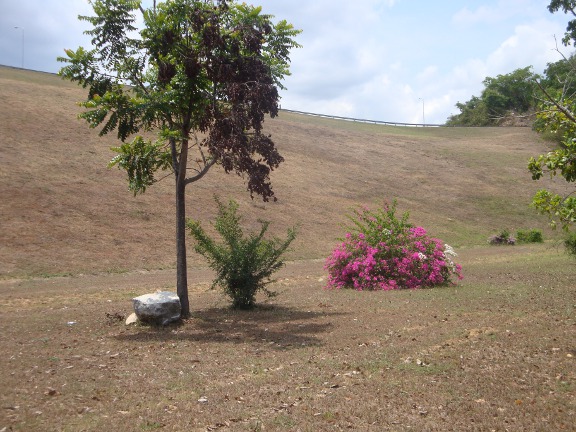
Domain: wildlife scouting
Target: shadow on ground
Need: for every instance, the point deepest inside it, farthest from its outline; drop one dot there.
(277, 327)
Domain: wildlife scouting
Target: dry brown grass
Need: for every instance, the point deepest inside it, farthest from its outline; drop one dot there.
(63, 211)
(495, 352)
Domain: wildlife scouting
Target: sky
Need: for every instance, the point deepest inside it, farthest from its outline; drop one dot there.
(389, 60)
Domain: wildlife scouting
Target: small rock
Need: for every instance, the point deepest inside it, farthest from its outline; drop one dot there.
(51, 392)
(132, 319)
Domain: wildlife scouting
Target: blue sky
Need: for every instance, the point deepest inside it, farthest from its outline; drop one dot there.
(376, 59)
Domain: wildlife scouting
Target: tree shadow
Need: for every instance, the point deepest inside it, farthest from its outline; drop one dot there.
(277, 327)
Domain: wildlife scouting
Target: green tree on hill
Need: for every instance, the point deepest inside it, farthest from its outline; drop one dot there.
(203, 75)
(472, 113)
(559, 76)
(502, 94)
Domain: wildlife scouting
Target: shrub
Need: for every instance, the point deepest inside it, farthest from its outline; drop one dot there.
(381, 251)
(502, 239)
(570, 244)
(529, 236)
(243, 264)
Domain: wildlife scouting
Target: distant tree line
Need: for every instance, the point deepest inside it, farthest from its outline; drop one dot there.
(520, 92)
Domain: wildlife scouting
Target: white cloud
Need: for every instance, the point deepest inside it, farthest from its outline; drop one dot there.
(531, 44)
(496, 12)
(482, 14)
(429, 73)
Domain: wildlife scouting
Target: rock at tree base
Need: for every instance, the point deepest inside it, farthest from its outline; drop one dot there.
(158, 308)
(132, 319)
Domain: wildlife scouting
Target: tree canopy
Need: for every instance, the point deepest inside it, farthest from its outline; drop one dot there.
(504, 93)
(568, 7)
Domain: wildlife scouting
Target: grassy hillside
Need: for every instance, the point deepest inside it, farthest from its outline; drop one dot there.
(494, 352)
(63, 211)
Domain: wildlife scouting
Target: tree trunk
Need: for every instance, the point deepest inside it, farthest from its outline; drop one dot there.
(181, 269)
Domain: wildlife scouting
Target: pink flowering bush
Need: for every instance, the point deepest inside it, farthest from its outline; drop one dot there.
(382, 252)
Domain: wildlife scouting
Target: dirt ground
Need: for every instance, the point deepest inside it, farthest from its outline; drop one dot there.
(496, 352)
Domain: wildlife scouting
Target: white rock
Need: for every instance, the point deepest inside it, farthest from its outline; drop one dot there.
(132, 319)
(159, 308)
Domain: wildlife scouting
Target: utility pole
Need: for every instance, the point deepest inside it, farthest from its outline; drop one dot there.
(423, 118)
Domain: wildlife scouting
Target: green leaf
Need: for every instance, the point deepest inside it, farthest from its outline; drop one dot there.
(141, 159)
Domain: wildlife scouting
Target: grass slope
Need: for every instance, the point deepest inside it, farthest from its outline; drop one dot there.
(63, 211)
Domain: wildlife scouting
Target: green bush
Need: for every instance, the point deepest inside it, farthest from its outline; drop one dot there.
(243, 264)
(529, 236)
(570, 244)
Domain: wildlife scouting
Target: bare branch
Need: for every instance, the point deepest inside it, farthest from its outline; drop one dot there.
(562, 109)
(140, 83)
(166, 176)
(202, 173)
(558, 50)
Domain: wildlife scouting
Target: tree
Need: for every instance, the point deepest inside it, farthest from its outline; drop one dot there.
(501, 94)
(472, 113)
(559, 76)
(567, 6)
(203, 75)
(558, 114)
(512, 91)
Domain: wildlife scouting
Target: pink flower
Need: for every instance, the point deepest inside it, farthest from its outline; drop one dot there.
(389, 259)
